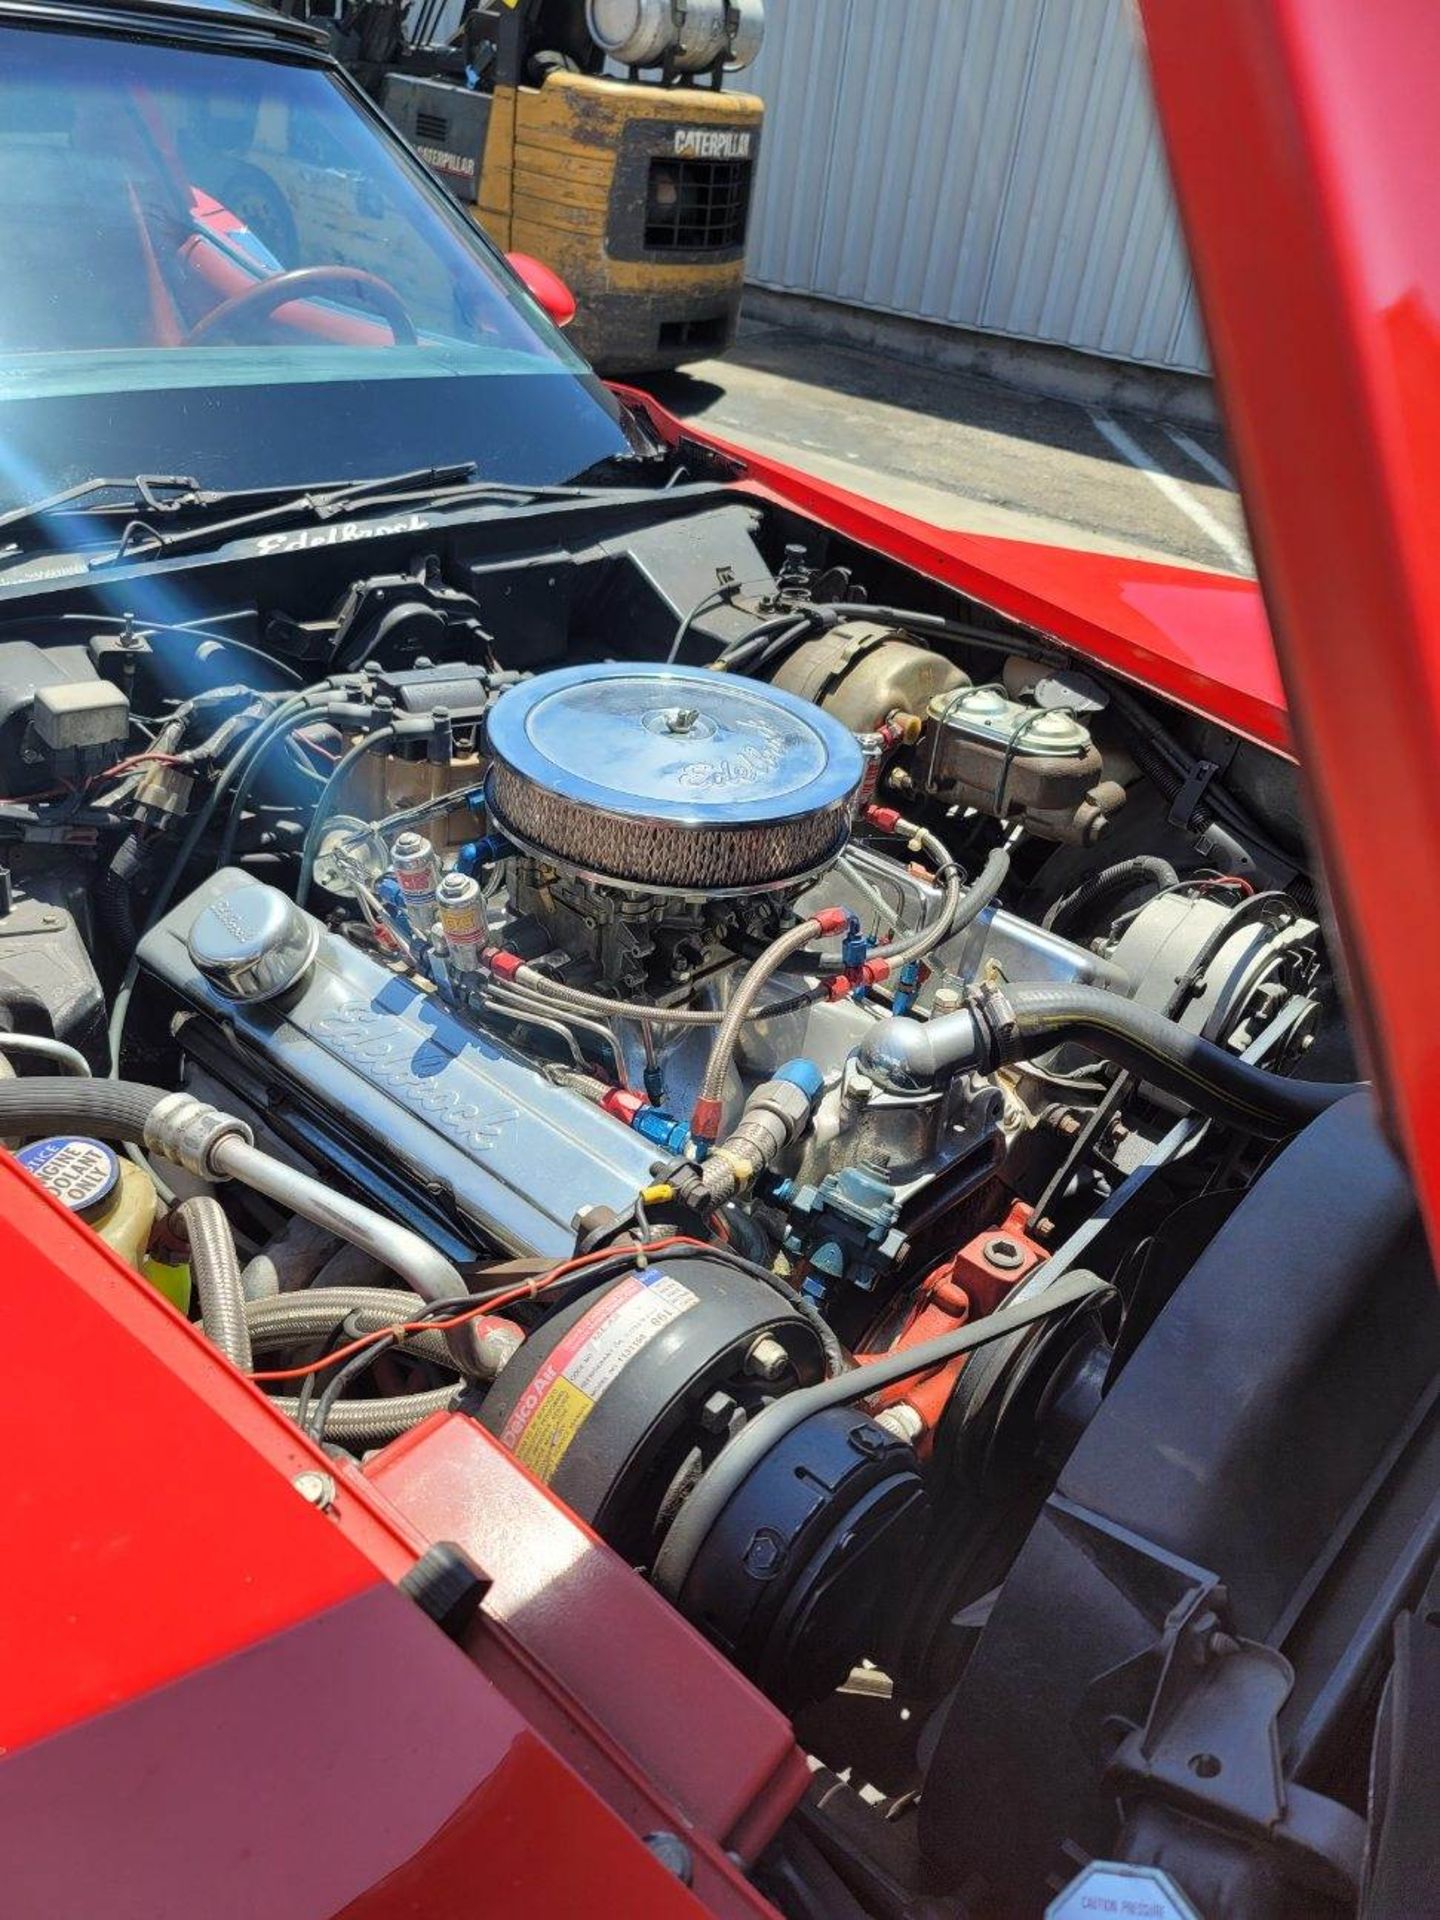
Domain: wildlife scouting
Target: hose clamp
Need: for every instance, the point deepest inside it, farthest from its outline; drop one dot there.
(995, 1024)
(187, 1131)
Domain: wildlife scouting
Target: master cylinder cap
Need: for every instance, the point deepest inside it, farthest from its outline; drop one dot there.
(671, 779)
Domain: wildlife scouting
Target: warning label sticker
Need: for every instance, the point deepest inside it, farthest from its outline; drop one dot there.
(560, 1399)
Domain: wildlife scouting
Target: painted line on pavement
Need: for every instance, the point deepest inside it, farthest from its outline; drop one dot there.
(1175, 491)
(1202, 457)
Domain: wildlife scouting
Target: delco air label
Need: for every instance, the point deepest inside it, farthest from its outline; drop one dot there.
(565, 1392)
(712, 143)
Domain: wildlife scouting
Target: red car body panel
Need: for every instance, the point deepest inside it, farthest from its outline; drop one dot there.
(166, 1471)
(204, 1678)
(355, 1764)
(1315, 243)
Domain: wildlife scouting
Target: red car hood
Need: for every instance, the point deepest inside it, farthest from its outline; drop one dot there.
(1313, 236)
(1199, 638)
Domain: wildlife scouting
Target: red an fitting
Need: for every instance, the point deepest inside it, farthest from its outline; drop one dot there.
(705, 1121)
(622, 1103)
(840, 985)
(832, 919)
(503, 965)
(887, 819)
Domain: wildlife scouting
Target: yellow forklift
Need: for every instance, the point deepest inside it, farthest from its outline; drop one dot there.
(595, 135)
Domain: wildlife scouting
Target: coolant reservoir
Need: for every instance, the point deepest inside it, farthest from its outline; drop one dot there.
(110, 1193)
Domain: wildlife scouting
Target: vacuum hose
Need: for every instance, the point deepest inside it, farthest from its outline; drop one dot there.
(959, 907)
(996, 1029)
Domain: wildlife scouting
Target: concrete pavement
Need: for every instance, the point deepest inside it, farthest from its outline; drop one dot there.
(964, 451)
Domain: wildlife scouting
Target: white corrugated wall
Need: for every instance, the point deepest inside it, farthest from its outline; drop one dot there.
(990, 164)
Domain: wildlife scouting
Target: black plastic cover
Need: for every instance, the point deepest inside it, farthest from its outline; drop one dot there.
(1244, 1438)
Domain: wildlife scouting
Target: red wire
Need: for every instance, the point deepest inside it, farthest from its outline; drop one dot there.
(136, 760)
(526, 1291)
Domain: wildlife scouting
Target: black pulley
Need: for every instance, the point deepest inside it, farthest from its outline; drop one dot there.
(791, 1579)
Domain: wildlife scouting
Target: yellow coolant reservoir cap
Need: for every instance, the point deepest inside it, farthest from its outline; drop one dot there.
(113, 1195)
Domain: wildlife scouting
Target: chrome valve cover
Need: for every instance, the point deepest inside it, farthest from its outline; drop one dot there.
(442, 1101)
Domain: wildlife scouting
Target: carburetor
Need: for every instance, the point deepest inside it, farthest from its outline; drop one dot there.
(660, 816)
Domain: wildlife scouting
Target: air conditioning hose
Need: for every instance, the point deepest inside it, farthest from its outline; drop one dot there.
(216, 1146)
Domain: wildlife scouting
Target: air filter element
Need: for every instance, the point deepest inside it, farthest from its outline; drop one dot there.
(671, 779)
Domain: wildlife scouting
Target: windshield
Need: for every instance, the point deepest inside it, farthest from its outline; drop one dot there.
(220, 265)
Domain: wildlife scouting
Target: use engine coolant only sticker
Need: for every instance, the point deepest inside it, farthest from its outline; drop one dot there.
(563, 1394)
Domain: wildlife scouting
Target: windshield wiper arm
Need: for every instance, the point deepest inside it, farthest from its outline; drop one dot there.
(147, 490)
(181, 494)
(432, 487)
(300, 502)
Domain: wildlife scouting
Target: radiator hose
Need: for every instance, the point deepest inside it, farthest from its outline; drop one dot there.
(996, 1029)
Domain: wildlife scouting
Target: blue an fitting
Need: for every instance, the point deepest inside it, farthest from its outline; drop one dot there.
(853, 946)
(482, 853)
(662, 1129)
(803, 1074)
(906, 987)
(391, 896)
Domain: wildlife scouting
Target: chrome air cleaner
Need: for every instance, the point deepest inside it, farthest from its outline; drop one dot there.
(671, 779)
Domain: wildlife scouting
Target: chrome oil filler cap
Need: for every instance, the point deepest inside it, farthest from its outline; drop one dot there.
(671, 779)
(253, 943)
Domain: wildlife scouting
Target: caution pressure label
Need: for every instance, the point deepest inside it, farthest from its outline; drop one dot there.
(564, 1393)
